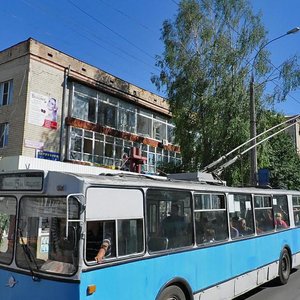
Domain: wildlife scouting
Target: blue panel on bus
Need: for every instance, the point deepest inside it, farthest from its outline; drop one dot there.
(142, 279)
(201, 268)
(16, 286)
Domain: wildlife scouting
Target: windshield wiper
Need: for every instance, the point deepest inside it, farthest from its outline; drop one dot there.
(29, 257)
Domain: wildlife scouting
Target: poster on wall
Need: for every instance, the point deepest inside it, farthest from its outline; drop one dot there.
(43, 111)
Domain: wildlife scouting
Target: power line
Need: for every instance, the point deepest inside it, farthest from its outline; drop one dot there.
(127, 16)
(175, 2)
(88, 31)
(110, 29)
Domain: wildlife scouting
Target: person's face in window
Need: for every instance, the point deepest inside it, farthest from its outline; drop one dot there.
(174, 210)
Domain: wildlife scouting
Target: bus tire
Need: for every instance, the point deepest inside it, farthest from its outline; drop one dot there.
(172, 292)
(284, 269)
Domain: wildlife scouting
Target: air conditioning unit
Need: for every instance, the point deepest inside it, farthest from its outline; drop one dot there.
(165, 142)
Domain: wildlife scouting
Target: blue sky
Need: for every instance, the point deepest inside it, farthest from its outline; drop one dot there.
(122, 37)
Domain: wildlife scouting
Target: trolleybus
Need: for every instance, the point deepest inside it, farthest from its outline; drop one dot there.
(169, 239)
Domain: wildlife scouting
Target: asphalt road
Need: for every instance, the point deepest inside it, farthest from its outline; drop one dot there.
(273, 291)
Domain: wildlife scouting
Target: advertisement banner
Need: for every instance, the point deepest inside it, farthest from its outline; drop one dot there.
(43, 111)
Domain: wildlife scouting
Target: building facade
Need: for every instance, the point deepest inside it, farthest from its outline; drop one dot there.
(53, 106)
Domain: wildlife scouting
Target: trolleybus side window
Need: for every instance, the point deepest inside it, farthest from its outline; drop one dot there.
(296, 209)
(281, 212)
(97, 232)
(241, 215)
(264, 217)
(169, 219)
(119, 220)
(8, 206)
(129, 237)
(210, 218)
(42, 242)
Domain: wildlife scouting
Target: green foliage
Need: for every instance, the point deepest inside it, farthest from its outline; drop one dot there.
(284, 163)
(280, 156)
(205, 71)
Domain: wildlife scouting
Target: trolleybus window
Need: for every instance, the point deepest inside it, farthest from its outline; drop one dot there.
(296, 209)
(210, 218)
(8, 207)
(42, 243)
(129, 238)
(169, 219)
(281, 213)
(264, 217)
(97, 232)
(241, 215)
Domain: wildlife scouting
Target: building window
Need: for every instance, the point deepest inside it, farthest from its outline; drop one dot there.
(4, 127)
(84, 108)
(6, 92)
(107, 115)
(159, 130)
(97, 107)
(144, 126)
(126, 119)
(107, 150)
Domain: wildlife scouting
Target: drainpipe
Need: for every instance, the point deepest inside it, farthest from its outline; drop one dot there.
(63, 133)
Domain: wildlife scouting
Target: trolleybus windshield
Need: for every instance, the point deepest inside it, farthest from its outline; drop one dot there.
(8, 207)
(42, 242)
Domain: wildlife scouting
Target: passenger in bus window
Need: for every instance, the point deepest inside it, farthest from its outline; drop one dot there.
(174, 228)
(243, 229)
(209, 236)
(219, 225)
(279, 223)
(99, 240)
(233, 231)
(258, 229)
(296, 217)
(267, 222)
(104, 249)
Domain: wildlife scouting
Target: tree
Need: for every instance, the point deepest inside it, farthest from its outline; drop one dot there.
(279, 156)
(205, 71)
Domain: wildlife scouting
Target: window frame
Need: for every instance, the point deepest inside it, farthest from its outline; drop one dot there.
(210, 209)
(4, 133)
(161, 215)
(252, 226)
(8, 93)
(10, 235)
(260, 209)
(296, 209)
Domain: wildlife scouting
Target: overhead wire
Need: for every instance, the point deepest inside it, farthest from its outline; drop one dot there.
(110, 29)
(91, 32)
(127, 16)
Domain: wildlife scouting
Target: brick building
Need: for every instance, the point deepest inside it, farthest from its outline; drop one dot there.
(56, 107)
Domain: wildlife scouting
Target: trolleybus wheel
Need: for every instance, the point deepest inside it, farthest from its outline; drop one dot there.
(172, 292)
(284, 267)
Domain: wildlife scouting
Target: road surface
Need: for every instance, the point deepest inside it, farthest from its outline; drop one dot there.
(273, 291)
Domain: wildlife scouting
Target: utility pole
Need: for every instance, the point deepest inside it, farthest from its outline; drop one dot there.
(253, 153)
